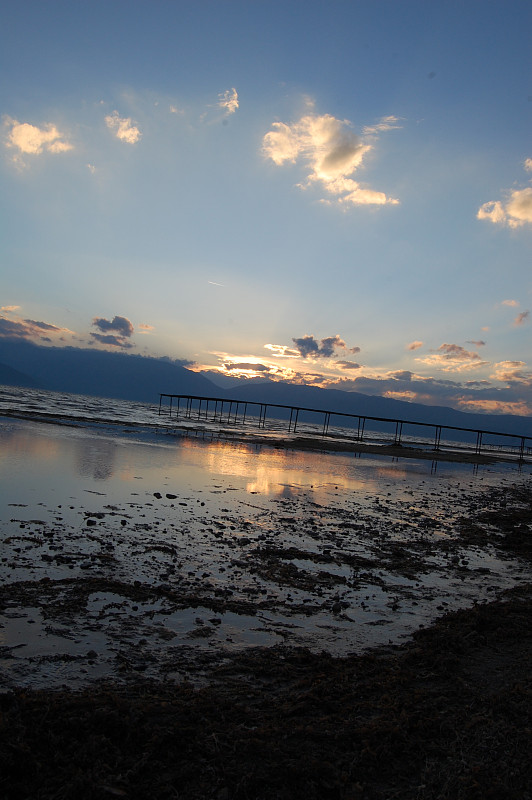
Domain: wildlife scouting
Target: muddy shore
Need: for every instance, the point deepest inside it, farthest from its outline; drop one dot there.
(311, 646)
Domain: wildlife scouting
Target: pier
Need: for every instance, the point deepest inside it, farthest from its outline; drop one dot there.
(255, 414)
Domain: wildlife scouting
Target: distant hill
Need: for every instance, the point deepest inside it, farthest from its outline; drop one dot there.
(134, 377)
(373, 406)
(97, 372)
(12, 377)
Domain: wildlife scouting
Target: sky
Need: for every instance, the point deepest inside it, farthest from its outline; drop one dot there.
(331, 193)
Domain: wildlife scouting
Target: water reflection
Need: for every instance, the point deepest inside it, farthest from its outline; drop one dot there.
(96, 458)
(278, 472)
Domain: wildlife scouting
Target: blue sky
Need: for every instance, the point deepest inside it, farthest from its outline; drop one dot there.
(337, 193)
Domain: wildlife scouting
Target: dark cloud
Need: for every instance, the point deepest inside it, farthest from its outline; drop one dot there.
(480, 343)
(119, 325)
(13, 330)
(309, 346)
(26, 329)
(112, 340)
(348, 364)
(245, 365)
(521, 318)
(458, 352)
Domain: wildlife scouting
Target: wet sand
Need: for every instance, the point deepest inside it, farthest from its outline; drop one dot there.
(226, 617)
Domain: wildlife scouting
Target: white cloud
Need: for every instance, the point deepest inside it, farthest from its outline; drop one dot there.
(332, 151)
(512, 303)
(228, 101)
(123, 128)
(514, 211)
(31, 140)
(389, 123)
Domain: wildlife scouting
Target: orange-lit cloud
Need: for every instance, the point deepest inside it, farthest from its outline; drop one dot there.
(453, 358)
(519, 407)
(29, 329)
(512, 372)
(521, 318)
(414, 345)
(282, 351)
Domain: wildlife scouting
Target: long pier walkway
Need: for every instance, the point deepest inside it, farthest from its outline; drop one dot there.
(239, 412)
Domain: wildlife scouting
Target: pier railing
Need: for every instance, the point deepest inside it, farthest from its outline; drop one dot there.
(241, 412)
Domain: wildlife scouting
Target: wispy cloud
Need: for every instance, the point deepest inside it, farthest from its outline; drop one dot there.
(8, 309)
(27, 139)
(282, 351)
(123, 128)
(389, 123)
(510, 372)
(332, 152)
(30, 329)
(521, 318)
(453, 358)
(511, 303)
(228, 101)
(515, 210)
(414, 345)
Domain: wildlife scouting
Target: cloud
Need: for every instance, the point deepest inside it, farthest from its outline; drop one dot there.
(515, 210)
(245, 366)
(114, 333)
(308, 346)
(28, 329)
(348, 365)
(512, 303)
(8, 309)
(389, 123)
(521, 318)
(123, 128)
(119, 324)
(479, 343)
(282, 351)
(332, 151)
(453, 358)
(228, 101)
(512, 372)
(28, 139)
(147, 329)
(414, 345)
(517, 407)
(113, 341)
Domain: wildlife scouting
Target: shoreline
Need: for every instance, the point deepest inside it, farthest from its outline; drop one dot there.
(292, 441)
